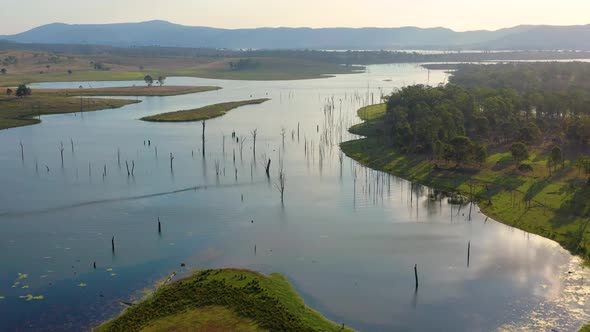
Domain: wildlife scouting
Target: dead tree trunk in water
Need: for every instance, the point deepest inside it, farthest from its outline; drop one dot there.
(468, 252)
(171, 160)
(61, 151)
(127, 165)
(203, 138)
(254, 135)
(416, 275)
(22, 151)
(268, 168)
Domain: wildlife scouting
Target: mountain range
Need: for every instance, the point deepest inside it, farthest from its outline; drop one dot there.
(166, 34)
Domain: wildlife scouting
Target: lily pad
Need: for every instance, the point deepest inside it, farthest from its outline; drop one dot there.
(31, 297)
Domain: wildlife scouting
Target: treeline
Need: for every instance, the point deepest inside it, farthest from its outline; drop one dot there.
(383, 57)
(337, 57)
(516, 106)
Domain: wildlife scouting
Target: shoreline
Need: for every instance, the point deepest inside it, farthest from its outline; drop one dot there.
(504, 205)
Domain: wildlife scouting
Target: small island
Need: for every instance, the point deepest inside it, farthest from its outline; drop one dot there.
(223, 300)
(202, 113)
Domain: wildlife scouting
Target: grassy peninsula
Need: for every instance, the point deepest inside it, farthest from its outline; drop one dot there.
(223, 300)
(202, 113)
(21, 111)
(528, 169)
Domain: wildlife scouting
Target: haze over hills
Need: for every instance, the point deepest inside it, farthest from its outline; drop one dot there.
(166, 34)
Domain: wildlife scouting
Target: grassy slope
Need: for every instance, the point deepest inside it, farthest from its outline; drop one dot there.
(213, 318)
(255, 301)
(496, 182)
(32, 67)
(203, 113)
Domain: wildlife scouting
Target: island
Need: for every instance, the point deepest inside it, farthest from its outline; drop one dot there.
(202, 113)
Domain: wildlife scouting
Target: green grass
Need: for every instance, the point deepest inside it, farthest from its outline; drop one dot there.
(555, 206)
(213, 318)
(373, 119)
(372, 112)
(202, 113)
(17, 112)
(254, 301)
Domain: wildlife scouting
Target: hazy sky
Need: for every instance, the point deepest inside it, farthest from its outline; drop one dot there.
(456, 14)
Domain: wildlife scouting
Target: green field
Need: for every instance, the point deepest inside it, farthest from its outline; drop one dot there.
(202, 113)
(35, 67)
(533, 201)
(223, 300)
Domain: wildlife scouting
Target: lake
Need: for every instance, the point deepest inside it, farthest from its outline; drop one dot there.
(346, 237)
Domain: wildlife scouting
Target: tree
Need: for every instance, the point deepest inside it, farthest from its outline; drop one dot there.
(480, 154)
(23, 91)
(69, 71)
(161, 80)
(9, 91)
(519, 152)
(149, 80)
(462, 147)
(3, 71)
(556, 156)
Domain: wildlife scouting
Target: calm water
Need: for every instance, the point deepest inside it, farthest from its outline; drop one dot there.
(346, 237)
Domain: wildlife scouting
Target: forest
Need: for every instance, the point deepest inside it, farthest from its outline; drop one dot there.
(543, 105)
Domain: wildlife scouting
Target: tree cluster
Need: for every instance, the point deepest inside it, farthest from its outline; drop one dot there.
(243, 64)
(517, 106)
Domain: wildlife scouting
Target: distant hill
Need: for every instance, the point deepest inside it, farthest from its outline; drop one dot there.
(166, 34)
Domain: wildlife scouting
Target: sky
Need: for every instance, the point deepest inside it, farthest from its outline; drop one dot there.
(459, 15)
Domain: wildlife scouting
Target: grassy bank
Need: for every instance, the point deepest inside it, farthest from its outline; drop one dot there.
(17, 112)
(134, 91)
(202, 113)
(223, 300)
(536, 201)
